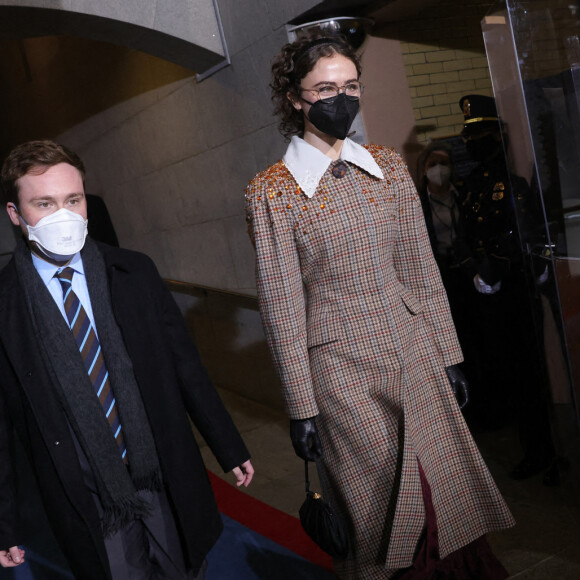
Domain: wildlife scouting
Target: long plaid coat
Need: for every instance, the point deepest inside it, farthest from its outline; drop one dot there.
(360, 332)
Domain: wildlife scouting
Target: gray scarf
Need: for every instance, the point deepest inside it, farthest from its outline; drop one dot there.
(117, 486)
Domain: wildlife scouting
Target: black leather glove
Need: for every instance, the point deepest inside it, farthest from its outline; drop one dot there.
(459, 385)
(305, 439)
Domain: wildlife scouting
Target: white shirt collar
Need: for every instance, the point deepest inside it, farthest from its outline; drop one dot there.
(307, 164)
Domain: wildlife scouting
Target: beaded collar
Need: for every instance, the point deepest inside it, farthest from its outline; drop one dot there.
(307, 164)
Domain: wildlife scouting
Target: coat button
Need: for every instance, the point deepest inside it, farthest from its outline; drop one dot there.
(56, 443)
(29, 374)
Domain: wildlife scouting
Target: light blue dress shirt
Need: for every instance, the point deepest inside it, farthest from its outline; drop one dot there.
(79, 283)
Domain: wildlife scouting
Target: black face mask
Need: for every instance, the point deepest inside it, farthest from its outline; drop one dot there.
(483, 149)
(334, 116)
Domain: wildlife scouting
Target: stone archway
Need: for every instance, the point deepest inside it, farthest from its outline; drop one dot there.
(180, 31)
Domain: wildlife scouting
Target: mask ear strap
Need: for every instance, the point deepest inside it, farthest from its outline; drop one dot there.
(303, 99)
(19, 214)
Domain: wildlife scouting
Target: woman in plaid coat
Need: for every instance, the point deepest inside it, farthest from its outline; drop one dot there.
(359, 328)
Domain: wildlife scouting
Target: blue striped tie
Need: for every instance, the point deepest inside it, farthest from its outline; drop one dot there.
(90, 349)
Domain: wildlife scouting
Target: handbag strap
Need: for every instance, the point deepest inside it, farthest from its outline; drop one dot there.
(306, 478)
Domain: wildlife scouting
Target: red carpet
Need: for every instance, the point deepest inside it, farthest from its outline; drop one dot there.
(270, 522)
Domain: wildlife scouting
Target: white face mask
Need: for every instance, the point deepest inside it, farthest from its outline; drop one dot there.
(438, 174)
(60, 235)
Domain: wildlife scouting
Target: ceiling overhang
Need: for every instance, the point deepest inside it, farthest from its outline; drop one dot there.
(180, 31)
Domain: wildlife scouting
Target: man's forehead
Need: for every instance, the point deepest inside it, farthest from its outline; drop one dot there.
(57, 169)
(57, 174)
(35, 189)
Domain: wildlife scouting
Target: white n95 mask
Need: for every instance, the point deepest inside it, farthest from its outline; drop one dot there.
(438, 174)
(60, 235)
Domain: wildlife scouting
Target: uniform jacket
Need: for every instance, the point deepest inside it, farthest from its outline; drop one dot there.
(359, 328)
(171, 380)
(498, 213)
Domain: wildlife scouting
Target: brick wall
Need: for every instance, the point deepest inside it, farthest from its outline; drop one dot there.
(444, 55)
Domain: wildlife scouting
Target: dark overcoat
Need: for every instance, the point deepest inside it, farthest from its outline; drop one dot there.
(172, 382)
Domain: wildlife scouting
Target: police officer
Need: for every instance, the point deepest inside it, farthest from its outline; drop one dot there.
(497, 208)
(491, 193)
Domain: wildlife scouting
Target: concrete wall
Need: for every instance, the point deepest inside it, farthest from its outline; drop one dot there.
(228, 333)
(171, 165)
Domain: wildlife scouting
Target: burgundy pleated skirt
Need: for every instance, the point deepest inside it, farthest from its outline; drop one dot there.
(472, 562)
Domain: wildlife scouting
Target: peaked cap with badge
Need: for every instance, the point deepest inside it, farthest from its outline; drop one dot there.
(480, 114)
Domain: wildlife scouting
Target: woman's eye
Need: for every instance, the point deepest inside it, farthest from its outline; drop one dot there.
(328, 90)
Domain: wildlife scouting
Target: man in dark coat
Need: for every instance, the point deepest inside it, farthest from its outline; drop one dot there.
(97, 378)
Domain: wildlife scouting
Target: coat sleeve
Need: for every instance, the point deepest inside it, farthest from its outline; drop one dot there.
(415, 265)
(280, 292)
(9, 532)
(201, 400)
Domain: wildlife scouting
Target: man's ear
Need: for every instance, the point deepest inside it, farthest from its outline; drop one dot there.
(294, 100)
(13, 213)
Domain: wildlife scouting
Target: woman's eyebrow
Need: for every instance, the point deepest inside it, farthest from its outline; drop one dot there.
(334, 83)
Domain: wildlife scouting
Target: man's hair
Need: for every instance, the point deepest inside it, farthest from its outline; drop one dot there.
(34, 157)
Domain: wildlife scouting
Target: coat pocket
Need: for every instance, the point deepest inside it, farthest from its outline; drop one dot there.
(412, 303)
(325, 329)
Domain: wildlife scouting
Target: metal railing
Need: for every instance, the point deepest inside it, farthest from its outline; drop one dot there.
(204, 291)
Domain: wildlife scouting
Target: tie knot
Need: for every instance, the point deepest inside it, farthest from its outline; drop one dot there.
(66, 274)
(65, 278)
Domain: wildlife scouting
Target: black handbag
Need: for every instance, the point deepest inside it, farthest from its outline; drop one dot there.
(322, 524)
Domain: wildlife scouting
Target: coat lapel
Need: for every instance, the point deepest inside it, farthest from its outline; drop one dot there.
(18, 337)
(16, 329)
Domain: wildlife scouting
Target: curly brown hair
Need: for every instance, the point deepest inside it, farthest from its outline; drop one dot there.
(294, 61)
(34, 157)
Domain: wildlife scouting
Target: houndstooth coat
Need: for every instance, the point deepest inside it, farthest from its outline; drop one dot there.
(359, 328)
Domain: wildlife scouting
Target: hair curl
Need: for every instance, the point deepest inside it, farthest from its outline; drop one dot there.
(34, 157)
(288, 72)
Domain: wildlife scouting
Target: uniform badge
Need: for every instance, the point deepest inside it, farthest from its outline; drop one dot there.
(466, 108)
(498, 190)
